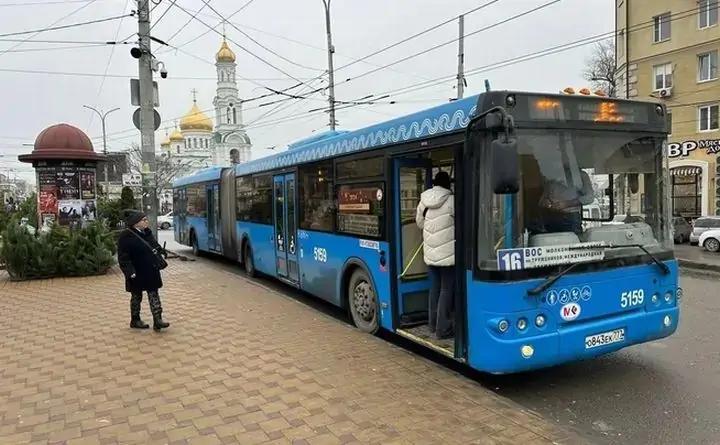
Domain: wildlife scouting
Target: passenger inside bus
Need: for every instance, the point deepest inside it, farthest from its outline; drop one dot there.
(551, 205)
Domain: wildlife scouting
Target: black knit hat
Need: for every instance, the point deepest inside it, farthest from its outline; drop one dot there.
(133, 217)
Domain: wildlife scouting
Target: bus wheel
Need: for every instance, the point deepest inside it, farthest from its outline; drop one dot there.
(363, 303)
(248, 261)
(194, 243)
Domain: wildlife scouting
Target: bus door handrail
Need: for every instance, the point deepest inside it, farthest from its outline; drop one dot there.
(412, 260)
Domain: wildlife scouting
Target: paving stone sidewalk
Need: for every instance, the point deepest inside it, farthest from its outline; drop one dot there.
(240, 364)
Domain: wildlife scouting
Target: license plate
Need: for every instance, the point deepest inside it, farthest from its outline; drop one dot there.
(606, 338)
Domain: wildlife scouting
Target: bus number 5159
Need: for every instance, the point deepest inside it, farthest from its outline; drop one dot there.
(632, 298)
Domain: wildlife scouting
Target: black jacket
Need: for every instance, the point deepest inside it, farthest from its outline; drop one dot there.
(134, 257)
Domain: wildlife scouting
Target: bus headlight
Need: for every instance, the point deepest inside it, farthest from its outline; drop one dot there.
(540, 321)
(667, 321)
(679, 294)
(655, 298)
(527, 351)
(522, 324)
(668, 297)
(503, 326)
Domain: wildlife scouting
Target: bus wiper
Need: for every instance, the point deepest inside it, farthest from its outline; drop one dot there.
(542, 287)
(663, 267)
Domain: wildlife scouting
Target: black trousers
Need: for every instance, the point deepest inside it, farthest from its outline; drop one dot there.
(153, 299)
(442, 302)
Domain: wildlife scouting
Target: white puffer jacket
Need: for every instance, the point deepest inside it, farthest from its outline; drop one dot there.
(438, 226)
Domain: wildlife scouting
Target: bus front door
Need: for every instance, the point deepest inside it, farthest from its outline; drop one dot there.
(213, 217)
(412, 177)
(285, 219)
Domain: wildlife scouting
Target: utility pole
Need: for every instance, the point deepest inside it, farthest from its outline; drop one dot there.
(331, 68)
(147, 114)
(461, 58)
(105, 150)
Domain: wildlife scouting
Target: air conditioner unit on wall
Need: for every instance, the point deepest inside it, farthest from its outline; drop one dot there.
(665, 93)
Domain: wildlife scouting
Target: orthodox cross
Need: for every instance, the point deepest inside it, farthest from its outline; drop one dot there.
(194, 93)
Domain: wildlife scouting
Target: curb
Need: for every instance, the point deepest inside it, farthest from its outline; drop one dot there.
(698, 265)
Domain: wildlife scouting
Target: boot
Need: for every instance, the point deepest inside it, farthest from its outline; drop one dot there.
(158, 322)
(137, 323)
(135, 320)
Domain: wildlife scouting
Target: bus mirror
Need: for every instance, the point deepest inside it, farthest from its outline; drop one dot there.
(632, 179)
(505, 180)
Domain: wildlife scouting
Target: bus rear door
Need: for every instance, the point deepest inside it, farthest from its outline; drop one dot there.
(285, 222)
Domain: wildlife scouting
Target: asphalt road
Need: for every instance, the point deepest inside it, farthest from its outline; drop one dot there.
(662, 393)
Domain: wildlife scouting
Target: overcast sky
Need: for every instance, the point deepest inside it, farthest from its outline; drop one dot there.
(293, 29)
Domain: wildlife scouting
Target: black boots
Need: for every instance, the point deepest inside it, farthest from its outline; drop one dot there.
(155, 308)
(158, 322)
(137, 323)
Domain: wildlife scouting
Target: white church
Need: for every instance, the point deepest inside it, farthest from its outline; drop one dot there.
(196, 143)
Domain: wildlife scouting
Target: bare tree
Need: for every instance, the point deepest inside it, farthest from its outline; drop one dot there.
(167, 170)
(601, 69)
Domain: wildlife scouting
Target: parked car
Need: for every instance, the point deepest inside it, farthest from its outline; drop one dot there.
(710, 240)
(701, 225)
(165, 221)
(681, 230)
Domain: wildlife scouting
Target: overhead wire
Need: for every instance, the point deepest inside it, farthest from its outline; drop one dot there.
(38, 32)
(70, 26)
(311, 46)
(237, 11)
(107, 67)
(280, 70)
(507, 62)
(441, 45)
(45, 3)
(249, 37)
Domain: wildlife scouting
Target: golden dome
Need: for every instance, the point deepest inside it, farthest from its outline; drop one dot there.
(165, 142)
(196, 120)
(175, 136)
(225, 54)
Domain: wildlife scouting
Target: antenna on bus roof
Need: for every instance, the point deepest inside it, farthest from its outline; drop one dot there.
(487, 85)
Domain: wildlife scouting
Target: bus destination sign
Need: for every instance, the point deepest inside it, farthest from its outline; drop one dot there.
(588, 109)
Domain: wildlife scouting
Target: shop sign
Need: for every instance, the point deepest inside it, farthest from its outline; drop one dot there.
(683, 149)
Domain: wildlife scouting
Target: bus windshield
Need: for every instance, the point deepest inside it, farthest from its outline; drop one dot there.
(569, 177)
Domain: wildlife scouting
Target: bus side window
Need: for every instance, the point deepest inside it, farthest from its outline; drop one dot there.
(317, 207)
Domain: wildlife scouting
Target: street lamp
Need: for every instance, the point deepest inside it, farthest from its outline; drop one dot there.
(105, 152)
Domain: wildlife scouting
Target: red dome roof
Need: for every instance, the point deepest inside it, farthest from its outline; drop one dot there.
(62, 141)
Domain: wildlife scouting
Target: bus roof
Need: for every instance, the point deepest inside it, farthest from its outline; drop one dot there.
(446, 118)
(208, 174)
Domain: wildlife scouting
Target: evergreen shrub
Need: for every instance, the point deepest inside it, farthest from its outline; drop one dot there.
(59, 253)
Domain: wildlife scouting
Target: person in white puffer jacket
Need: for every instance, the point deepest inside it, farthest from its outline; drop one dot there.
(436, 217)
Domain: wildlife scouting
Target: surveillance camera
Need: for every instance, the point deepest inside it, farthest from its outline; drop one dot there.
(163, 73)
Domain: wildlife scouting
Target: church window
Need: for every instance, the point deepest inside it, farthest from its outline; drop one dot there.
(234, 113)
(222, 76)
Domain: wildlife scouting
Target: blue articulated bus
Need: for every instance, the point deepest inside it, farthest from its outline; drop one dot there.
(335, 217)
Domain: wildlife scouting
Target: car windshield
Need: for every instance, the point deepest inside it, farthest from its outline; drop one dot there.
(565, 171)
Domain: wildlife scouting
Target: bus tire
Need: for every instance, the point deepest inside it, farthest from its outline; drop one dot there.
(194, 244)
(248, 260)
(363, 303)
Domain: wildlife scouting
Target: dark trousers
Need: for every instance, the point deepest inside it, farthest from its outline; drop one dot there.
(153, 299)
(441, 308)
